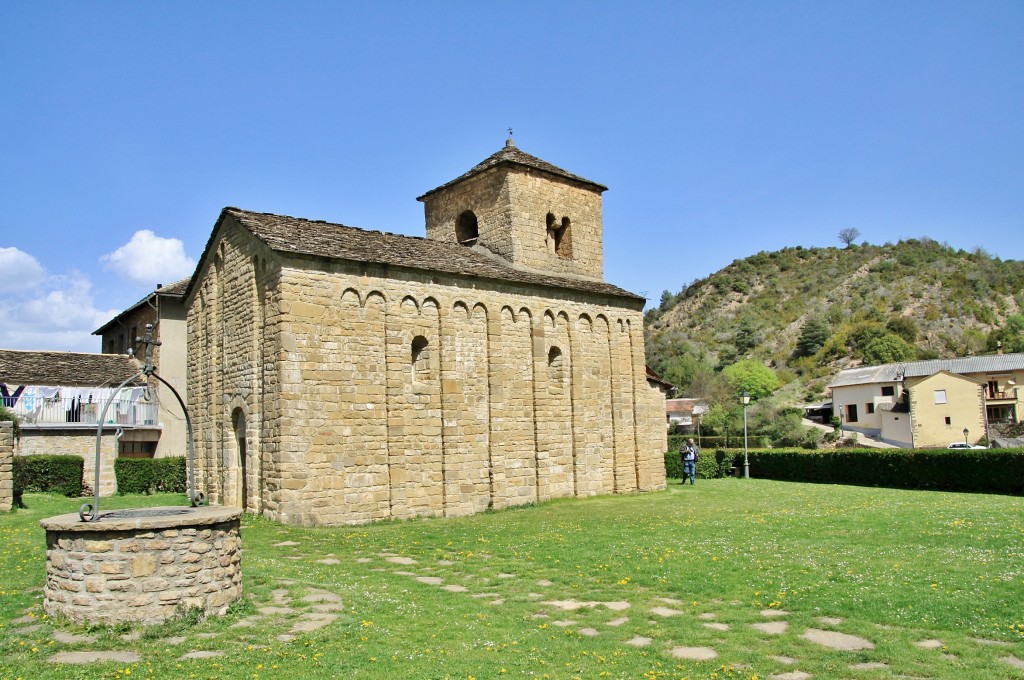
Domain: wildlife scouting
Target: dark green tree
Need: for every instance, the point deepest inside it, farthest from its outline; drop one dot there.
(813, 336)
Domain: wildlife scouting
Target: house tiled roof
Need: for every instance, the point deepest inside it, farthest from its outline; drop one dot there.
(173, 290)
(866, 375)
(71, 369)
(337, 241)
(511, 155)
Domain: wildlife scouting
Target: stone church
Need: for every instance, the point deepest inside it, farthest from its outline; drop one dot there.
(340, 376)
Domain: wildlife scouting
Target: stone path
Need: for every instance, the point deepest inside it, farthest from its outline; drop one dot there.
(313, 609)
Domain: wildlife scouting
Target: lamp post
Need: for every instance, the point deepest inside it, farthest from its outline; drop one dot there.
(966, 432)
(745, 398)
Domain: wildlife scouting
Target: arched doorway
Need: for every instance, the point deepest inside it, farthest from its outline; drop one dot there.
(241, 486)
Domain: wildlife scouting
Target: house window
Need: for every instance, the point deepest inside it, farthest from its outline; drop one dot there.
(851, 413)
(949, 421)
(888, 391)
(466, 229)
(136, 449)
(940, 396)
(420, 359)
(869, 408)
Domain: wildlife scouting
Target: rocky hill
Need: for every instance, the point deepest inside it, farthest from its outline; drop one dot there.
(809, 312)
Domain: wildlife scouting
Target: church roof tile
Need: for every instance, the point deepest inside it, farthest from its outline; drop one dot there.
(324, 239)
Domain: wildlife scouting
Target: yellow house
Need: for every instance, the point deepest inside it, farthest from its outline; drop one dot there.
(932, 403)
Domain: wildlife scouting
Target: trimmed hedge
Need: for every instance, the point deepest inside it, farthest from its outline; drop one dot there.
(150, 475)
(60, 474)
(971, 470)
(711, 464)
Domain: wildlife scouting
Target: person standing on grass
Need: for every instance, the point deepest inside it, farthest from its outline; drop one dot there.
(689, 453)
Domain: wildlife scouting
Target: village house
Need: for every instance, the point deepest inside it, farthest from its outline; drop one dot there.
(934, 403)
(59, 397)
(163, 311)
(339, 375)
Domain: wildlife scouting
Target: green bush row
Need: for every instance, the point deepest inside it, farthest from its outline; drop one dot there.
(711, 464)
(968, 470)
(60, 474)
(150, 475)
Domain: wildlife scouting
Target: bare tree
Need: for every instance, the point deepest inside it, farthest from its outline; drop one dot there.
(849, 235)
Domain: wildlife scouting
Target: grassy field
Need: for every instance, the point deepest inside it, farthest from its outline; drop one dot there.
(557, 591)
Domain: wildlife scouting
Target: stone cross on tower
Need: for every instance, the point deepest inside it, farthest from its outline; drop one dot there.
(149, 342)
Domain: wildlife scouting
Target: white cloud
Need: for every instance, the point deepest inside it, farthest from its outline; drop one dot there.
(149, 259)
(57, 314)
(19, 270)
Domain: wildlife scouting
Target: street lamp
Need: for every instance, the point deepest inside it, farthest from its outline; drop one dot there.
(966, 432)
(745, 398)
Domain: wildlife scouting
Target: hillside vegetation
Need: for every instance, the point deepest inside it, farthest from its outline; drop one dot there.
(810, 312)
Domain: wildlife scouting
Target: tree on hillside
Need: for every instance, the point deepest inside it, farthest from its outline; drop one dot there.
(752, 377)
(888, 349)
(849, 235)
(1010, 337)
(813, 336)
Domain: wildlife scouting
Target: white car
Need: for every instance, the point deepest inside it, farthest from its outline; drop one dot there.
(963, 445)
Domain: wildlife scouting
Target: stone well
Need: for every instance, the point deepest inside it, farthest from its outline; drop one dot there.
(141, 565)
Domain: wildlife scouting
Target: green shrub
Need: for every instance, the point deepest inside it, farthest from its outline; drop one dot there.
(60, 474)
(969, 470)
(150, 475)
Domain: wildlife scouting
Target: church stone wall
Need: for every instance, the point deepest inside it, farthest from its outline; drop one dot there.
(391, 393)
(227, 364)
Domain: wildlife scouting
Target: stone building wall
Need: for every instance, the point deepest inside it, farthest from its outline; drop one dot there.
(6, 466)
(396, 393)
(82, 442)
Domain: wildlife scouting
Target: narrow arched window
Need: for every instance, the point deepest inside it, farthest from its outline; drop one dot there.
(556, 371)
(466, 230)
(420, 359)
(558, 240)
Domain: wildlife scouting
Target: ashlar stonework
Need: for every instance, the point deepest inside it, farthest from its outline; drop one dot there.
(342, 376)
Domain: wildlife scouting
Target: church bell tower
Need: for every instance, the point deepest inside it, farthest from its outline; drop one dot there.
(535, 215)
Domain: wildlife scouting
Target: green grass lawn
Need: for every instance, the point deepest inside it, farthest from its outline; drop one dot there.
(897, 567)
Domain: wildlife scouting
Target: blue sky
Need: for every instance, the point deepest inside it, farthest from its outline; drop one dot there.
(721, 128)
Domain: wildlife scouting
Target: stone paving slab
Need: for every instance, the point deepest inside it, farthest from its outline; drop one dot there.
(665, 611)
(201, 654)
(868, 666)
(71, 639)
(771, 627)
(693, 653)
(94, 656)
(638, 641)
(317, 595)
(1013, 661)
(929, 644)
(588, 632)
(618, 622)
(791, 675)
(834, 640)
(829, 620)
(771, 613)
(787, 660)
(718, 626)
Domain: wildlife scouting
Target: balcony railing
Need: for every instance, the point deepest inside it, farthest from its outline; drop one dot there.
(996, 395)
(41, 411)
